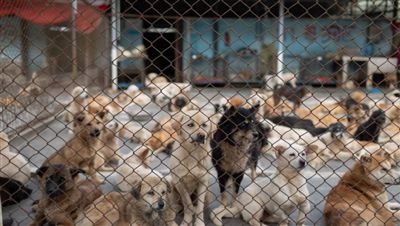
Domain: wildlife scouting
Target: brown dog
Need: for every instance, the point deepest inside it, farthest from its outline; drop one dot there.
(360, 197)
(80, 151)
(63, 196)
(146, 205)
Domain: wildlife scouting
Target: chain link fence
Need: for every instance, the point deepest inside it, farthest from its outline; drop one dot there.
(202, 112)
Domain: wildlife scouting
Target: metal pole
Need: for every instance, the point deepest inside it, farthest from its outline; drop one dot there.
(281, 45)
(74, 41)
(188, 43)
(115, 26)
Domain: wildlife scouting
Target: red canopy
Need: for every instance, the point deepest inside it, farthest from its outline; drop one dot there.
(47, 12)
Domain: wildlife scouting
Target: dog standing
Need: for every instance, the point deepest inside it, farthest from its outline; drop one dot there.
(190, 163)
(370, 130)
(276, 197)
(80, 151)
(231, 148)
(63, 196)
(360, 197)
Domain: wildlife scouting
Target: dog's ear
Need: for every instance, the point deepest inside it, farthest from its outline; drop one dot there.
(311, 148)
(75, 172)
(41, 171)
(80, 117)
(102, 114)
(144, 154)
(135, 192)
(176, 124)
(280, 150)
(366, 159)
(169, 186)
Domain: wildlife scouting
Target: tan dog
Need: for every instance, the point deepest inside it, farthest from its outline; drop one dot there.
(106, 155)
(190, 163)
(163, 135)
(63, 196)
(80, 151)
(360, 197)
(78, 104)
(147, 204)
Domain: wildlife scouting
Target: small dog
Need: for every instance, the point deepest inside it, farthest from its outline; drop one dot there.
(79, 103)
(63, 196)
(12, 191)
(293, 94)
(370, 130)
(147, 204)
(278, 196)
(106, 155)
(134, 169)
(13, 165)
(231, 147)
(80, 151)
(190, 163)
(360, 196)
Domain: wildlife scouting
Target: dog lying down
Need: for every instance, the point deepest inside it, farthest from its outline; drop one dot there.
(273, 200)
(360, 197)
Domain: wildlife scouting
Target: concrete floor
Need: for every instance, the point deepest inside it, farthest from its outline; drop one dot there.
(39, 144)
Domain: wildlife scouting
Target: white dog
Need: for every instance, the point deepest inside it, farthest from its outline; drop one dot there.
(286, 190)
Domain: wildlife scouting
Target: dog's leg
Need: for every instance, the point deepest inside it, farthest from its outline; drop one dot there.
(217, 213)
(201, 198)
(238, 177)
(304, 208)
(188, 208)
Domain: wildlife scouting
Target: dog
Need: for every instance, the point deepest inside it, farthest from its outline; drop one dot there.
(258, 146)
(277, 197)
(182, 102)
(370, 130)
(360, 197)
(190, 163)
(79, 103)
(13, 165)
(80, 151)
(230, 146)
(146, 204)
(12, 191)
(63, 195)
(134, 168)
(106, 155)
(293, 94)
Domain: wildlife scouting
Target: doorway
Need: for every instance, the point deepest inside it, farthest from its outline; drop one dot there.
(163, 44)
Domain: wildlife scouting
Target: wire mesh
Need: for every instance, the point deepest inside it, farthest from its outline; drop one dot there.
(225, 112)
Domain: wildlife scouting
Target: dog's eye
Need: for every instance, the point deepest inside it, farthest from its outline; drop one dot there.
(303, 154)
(385, 170)
(292, 155)
(190, 124)
(98, 123)
(163, 192)
(89, 124)
(150, 193)
(204, 125)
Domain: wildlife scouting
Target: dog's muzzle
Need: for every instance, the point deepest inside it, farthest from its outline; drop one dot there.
(302, 164)
(160, 205)
(95, 133)
(53, 189)
(200, 138)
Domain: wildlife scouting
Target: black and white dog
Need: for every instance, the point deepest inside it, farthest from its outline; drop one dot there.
(370, 130)
(235, 146)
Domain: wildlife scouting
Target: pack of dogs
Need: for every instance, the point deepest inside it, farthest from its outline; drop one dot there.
(230, 138)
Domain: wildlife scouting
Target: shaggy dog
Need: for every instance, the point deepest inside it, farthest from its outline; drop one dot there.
(231, 147)
(370, 130)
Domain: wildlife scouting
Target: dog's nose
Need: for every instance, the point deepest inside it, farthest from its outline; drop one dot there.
(95, 133)
(302, 163)
(180, 103)
(160, 205)
(201, 138)
(349, 117)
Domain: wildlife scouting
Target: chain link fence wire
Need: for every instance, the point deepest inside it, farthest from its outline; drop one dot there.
(202, 112)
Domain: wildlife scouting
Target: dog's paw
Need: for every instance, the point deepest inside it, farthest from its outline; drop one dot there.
(215, 218)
